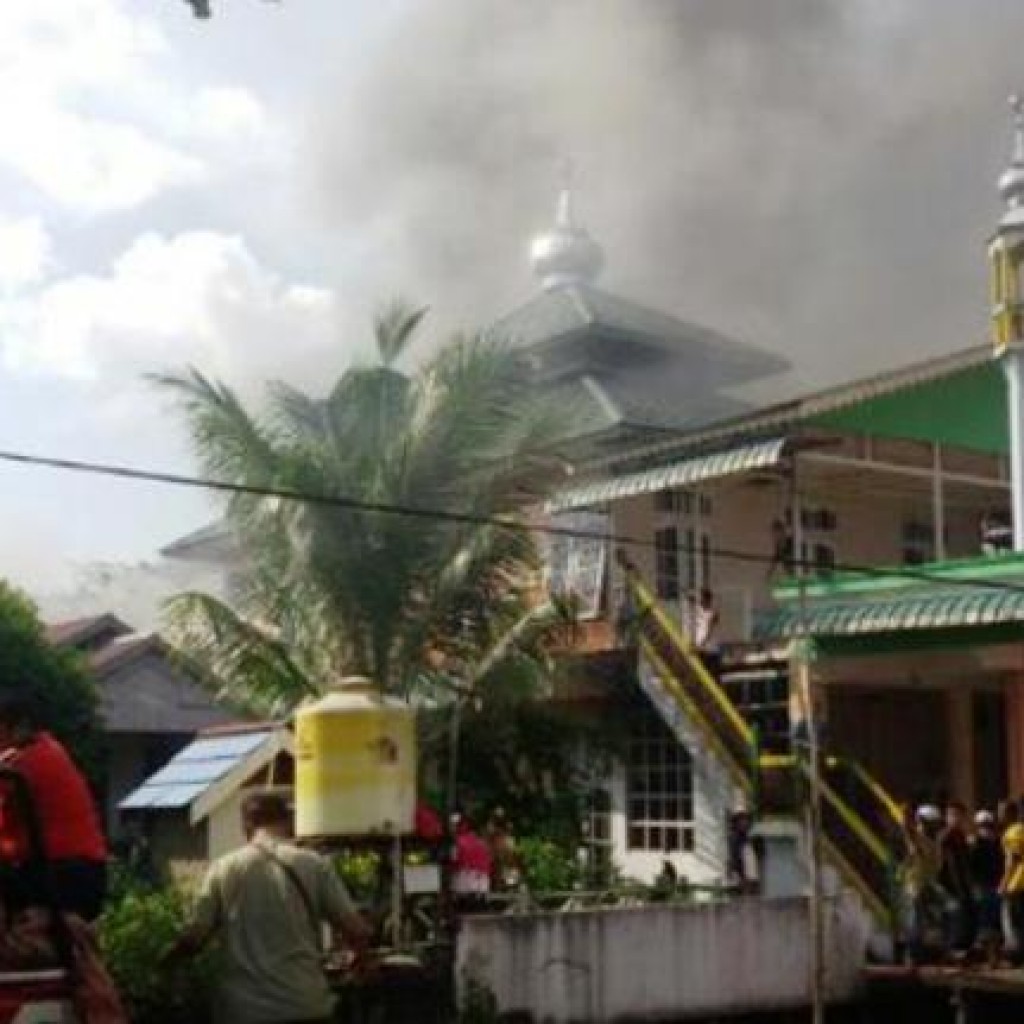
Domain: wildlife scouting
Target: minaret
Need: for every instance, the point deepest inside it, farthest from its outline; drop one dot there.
(1006, 267)
(565, 255)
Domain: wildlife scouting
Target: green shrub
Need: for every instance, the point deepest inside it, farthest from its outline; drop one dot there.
(547, 866)
(135, 932)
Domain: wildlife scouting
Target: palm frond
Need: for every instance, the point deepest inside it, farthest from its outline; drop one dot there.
(230, 443)
(394, 327)
(252, 665)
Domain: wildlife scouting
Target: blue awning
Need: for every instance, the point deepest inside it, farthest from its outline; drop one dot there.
(762, 454)
(194, 770)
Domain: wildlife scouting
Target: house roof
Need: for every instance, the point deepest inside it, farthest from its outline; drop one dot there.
(209, 541)
(957, 399)
(86, 631)
(200, 777)
(903, 606)
(763, 454)
(581, 308)
(144, 684)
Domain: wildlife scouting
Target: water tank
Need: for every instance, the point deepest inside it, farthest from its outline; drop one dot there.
(355, 763)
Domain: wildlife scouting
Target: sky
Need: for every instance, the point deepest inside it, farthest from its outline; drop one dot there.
(812, 176)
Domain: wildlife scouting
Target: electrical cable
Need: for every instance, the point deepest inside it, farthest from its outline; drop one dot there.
(468, 518)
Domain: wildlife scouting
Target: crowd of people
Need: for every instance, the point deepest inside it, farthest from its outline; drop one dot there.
(963, 883)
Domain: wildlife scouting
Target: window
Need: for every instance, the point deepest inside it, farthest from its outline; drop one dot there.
(818, 520)
(918, 542)
(659, 790)
(685, 503)
(577, 566)
(666, 558)
(762, 696)
(818, 548)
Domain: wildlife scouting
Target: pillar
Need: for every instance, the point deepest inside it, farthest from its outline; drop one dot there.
(1013, 366)
(1015, 735)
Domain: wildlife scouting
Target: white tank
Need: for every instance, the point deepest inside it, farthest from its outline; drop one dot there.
(355, 763)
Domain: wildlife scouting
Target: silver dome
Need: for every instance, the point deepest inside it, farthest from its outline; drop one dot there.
(566, 254)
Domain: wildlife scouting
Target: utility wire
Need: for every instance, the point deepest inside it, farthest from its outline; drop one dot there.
(471, 519)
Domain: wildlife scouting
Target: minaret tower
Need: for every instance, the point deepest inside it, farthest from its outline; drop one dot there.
(1006, 263)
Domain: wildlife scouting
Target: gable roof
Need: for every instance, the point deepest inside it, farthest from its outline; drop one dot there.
(213, 541)
(204, 774)
(144, 684)
(86, 631)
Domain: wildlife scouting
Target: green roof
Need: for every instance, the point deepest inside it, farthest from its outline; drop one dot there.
(952, 603)
(939, 609)
(966, 409)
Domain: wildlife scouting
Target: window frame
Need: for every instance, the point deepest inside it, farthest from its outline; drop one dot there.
(660, 815)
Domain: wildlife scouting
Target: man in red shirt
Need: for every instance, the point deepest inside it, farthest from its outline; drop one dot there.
(73, 844)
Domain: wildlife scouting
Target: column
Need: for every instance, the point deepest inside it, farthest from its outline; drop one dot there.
(1013, 365)
(1015, 735)
(938, 505)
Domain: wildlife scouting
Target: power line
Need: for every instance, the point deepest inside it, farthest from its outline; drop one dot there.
(470, 519)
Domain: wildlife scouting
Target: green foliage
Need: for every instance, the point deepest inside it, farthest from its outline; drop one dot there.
(330, 589)
(359, 871)
(548, 866)
(55, 681)
(136, 930)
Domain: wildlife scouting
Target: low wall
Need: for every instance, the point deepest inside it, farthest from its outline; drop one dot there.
(657, 962)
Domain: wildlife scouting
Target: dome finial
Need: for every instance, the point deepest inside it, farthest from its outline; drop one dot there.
(566, 254)
(1011, 182)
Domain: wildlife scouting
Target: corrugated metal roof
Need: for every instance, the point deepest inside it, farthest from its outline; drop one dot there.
(192, 771)
(964, 606)
(743, 458)
(801, 410)
(559, 312)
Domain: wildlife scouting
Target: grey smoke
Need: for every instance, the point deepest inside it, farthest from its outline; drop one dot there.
(814, 176)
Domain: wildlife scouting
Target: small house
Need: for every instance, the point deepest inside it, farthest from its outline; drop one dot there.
(190, 810)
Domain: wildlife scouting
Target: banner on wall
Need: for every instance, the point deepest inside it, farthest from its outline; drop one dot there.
(577, 566)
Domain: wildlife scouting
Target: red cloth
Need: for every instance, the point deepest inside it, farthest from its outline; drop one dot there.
(427, 824)
(67, 813)
(472, 853)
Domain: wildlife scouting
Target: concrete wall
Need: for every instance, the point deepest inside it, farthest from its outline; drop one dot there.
(657, 963)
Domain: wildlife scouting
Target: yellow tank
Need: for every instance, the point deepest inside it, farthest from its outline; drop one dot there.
(355, 764)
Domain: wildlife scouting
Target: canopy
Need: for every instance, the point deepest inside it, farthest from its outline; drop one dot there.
(933, 609)
(966, 409)
(762, 454)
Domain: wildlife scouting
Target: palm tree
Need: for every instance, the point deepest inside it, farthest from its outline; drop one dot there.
(326, 588)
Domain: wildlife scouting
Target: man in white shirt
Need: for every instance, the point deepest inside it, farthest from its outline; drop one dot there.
(268, 903)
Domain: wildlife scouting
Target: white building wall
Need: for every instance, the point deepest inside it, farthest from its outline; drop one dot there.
(658, 962)
(225, 826)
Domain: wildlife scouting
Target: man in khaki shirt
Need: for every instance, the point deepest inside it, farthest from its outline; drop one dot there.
(268, 903)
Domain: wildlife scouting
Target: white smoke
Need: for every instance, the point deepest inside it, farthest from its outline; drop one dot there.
(814, 176)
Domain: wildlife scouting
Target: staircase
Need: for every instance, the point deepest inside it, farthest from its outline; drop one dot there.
(860, 821)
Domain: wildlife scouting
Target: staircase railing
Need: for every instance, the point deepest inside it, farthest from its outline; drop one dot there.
(682, 672)
(860, 822)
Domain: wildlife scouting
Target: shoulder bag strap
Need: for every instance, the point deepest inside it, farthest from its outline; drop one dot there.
(293, 877)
